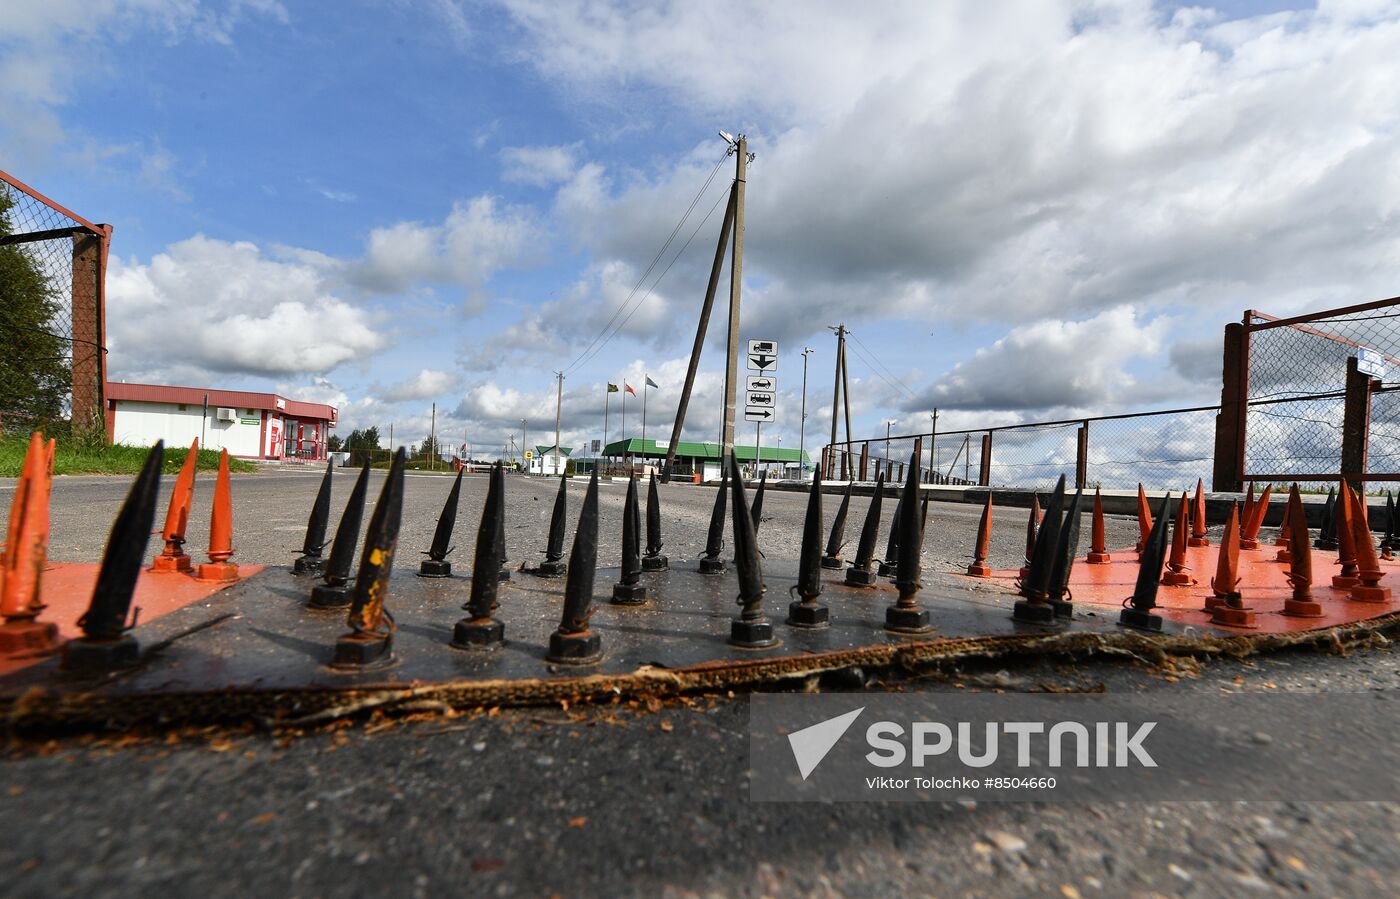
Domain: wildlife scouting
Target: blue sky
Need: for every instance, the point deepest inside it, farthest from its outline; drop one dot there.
(1020, 216)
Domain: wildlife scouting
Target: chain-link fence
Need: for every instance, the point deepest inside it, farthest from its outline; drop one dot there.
(52, 266)
(1295, 379)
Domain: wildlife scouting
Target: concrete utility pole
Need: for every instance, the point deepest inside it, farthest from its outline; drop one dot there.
(736, 275)
(524, 463)
(839, 390)
(802, 425)
(932, 442)
(558, 406)
(432, 437)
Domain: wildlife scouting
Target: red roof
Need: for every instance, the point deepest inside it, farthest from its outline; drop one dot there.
(156, 393)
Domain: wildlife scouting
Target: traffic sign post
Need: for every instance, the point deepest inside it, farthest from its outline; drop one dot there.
(761, 397)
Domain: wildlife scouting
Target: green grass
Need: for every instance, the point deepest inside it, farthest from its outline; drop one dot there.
(85, 456)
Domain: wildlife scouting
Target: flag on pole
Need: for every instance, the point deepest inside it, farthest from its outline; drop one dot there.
(628, 387)
(651, 383)
(612, 388)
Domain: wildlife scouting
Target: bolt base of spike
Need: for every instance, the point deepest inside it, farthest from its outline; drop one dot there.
(363, 651)
(1034, 611)
(173, 563)
(550, 568)
(1098, 558)
(1198, 541)
(977, 570)
(1233, 617)
(475, 634)
(629, 594)
(1284, 555)
(1245, 543)
(503, 574)
(217, 571)
(655, 563)
(1370, 593)
(860, 577)
(1344, 582)
(96, 656)
(27, 636)
(1178, 579)
(833, 563)
(1143, 621)
(1063, 608)
(888, 569)
(808, 614)
(755, 633)
(325, 596)
(575, 649)
(1302, 608)
(1213, 602)
(435, 568)
(1329, 545)
(309, 566)
(907, 620)
(712, 566)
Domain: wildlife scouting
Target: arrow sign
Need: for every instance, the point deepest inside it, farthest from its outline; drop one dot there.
(760, 362)
(767, 385)
(759, 398)
(757, 413)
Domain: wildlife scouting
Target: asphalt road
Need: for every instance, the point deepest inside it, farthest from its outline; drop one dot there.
(624, 800)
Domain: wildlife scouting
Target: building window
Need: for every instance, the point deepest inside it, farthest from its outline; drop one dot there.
(252, 413)
(182, 407)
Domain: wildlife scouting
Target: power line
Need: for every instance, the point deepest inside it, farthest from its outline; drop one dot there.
(876, 368)
(650, 267)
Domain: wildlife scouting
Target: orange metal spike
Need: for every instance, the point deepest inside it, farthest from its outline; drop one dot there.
(1368, 565)
(1300, 604)
(1247, 515)
(1285, 539)
(1198, 516)
(26, 552)
(1249, 538)
(1144, 517)
(1346, 543)
(174, 558)
(1098, 553)
(219, 568)
(1032, 526)
(1227, 568)
(1176, 574)
(979, 567)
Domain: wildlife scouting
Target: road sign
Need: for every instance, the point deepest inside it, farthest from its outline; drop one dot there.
(761, 398)
(529, 454)
(758, 413)
(759, 382)
(1368, 362)
(763, 355)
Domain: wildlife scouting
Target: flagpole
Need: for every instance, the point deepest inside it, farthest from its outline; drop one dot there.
(645, 380)
(626, 450)
(607, 396)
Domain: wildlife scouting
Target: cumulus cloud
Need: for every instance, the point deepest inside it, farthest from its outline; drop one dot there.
(538, 166)
(424, 385)
(226, 307)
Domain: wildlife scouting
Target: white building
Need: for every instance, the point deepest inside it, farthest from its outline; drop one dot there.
(249, 425)
(546, 461)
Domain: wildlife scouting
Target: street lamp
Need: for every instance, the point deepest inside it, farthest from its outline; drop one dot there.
(802, 423)
(523, 461)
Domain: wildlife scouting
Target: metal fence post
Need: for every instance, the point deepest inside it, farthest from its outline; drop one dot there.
(1228, 473)
(984, 468)
(919, 456)
(1356, 426)
(1081, 456)
(864, 459)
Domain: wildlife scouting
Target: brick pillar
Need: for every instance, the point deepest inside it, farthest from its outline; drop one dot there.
(89, 362)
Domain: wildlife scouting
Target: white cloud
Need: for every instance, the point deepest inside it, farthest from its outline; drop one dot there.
(424, 385)
(225, 307)
(539, 166)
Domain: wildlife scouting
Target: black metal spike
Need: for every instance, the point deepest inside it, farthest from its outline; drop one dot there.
(574, 642)
(554, 564)
(310, 563)
(832, 557)
(1388, 543)
(751, 629)
(1327, 533)
(807, 612)
(629, 590)
(860, 573)
(653, 560)
(479, 629)
(105, 644)
(757, 508)
(436, 565)
(1139, 612)
(906, 616)
(889, 565)
(498, 476)
(371, 637)
(335, 592)
(714, 540)
(1035, 586)
(1065, 551)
